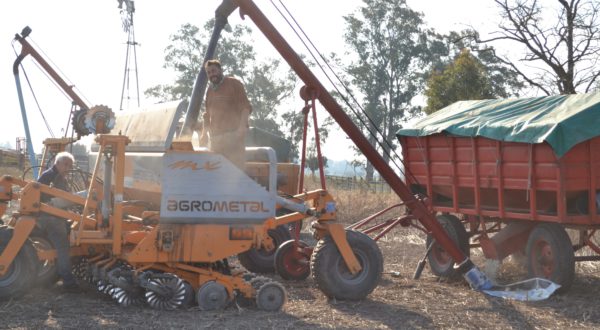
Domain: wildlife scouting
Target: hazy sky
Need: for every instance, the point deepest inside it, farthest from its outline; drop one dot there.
(85, 41)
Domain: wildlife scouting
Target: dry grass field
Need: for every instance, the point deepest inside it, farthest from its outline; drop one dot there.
(398, 303)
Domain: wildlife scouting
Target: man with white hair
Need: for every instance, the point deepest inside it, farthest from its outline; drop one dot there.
(57, 228)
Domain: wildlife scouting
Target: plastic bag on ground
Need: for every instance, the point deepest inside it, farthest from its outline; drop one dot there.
(533, 289)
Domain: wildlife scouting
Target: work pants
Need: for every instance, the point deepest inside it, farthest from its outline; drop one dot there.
(57, 233)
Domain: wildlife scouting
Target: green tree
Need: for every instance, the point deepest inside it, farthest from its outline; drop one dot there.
(312, 161)
(267, 88)
(504, 80)
(464, 79)
(394, 51)
(265, 83)
(294, 125)
(293, 120)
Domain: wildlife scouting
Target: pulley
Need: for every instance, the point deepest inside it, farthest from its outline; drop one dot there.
(99, 119)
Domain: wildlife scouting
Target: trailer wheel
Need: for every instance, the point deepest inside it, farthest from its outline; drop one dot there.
(550, 255)
(333, 277)
(22, 272)
(291, 262)
(440, 262)
(262, 260)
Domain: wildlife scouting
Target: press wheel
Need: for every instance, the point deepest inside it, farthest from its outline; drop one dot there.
(271, 296)
(212, 296)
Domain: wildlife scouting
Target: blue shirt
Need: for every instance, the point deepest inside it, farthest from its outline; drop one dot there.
(51, 177)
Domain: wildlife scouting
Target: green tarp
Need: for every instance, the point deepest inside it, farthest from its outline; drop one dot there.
(562, 121)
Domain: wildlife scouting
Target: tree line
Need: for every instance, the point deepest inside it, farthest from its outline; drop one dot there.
(393, 58)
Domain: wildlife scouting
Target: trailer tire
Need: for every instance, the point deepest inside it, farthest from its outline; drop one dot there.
(440, 262)
(331, 274)
(261, 260)
(22, 273)
(550, 255)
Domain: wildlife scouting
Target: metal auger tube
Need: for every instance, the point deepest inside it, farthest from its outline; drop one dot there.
(297, 207)
(193, 110)
(417, 208)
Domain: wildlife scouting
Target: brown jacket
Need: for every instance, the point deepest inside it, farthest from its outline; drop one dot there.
(224, 106)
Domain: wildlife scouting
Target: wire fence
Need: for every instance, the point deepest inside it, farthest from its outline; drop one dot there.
(357, 183)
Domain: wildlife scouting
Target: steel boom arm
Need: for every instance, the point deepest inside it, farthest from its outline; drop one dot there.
(27, 49)
(419, 209)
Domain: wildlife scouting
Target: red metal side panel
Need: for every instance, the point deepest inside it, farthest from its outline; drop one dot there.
(485, 177)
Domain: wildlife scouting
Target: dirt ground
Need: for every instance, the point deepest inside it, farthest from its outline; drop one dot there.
(399, 302)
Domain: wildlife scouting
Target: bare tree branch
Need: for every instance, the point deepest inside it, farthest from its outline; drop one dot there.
(568, 46)
(530, 81)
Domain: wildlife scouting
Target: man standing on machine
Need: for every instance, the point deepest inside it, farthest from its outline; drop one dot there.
(226, 117)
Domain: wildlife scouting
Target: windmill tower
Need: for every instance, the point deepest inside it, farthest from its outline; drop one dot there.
(127, 9)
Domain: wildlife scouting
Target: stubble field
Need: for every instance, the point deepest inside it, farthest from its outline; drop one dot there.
(399, 302)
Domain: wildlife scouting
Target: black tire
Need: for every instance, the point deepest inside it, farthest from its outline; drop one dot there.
(261, 260)
(289, 265)
(440, 262)
(47, 274)
(333, 277)
(22, 272)
(550, 255)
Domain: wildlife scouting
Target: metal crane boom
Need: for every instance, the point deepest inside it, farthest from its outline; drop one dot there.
(418, 208)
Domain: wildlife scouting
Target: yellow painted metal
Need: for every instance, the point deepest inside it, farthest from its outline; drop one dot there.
(52, 146)
(197, 276)
(6, 184)
(173, 248)
(338, 233)
(260, 173)
(288, 218)
(30, 203)
(46, 254)
(20, 235)
(87, 205)
(192, 243)
(118, 143)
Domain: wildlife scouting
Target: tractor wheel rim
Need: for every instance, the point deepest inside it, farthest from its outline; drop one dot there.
(295, 262)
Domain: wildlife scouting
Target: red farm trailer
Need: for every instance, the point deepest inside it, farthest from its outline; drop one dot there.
(510, 176)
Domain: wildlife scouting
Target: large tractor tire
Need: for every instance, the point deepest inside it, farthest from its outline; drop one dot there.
(262, 260)
(440, 262)
(22, 272)
(550, 255)
(332, 275)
